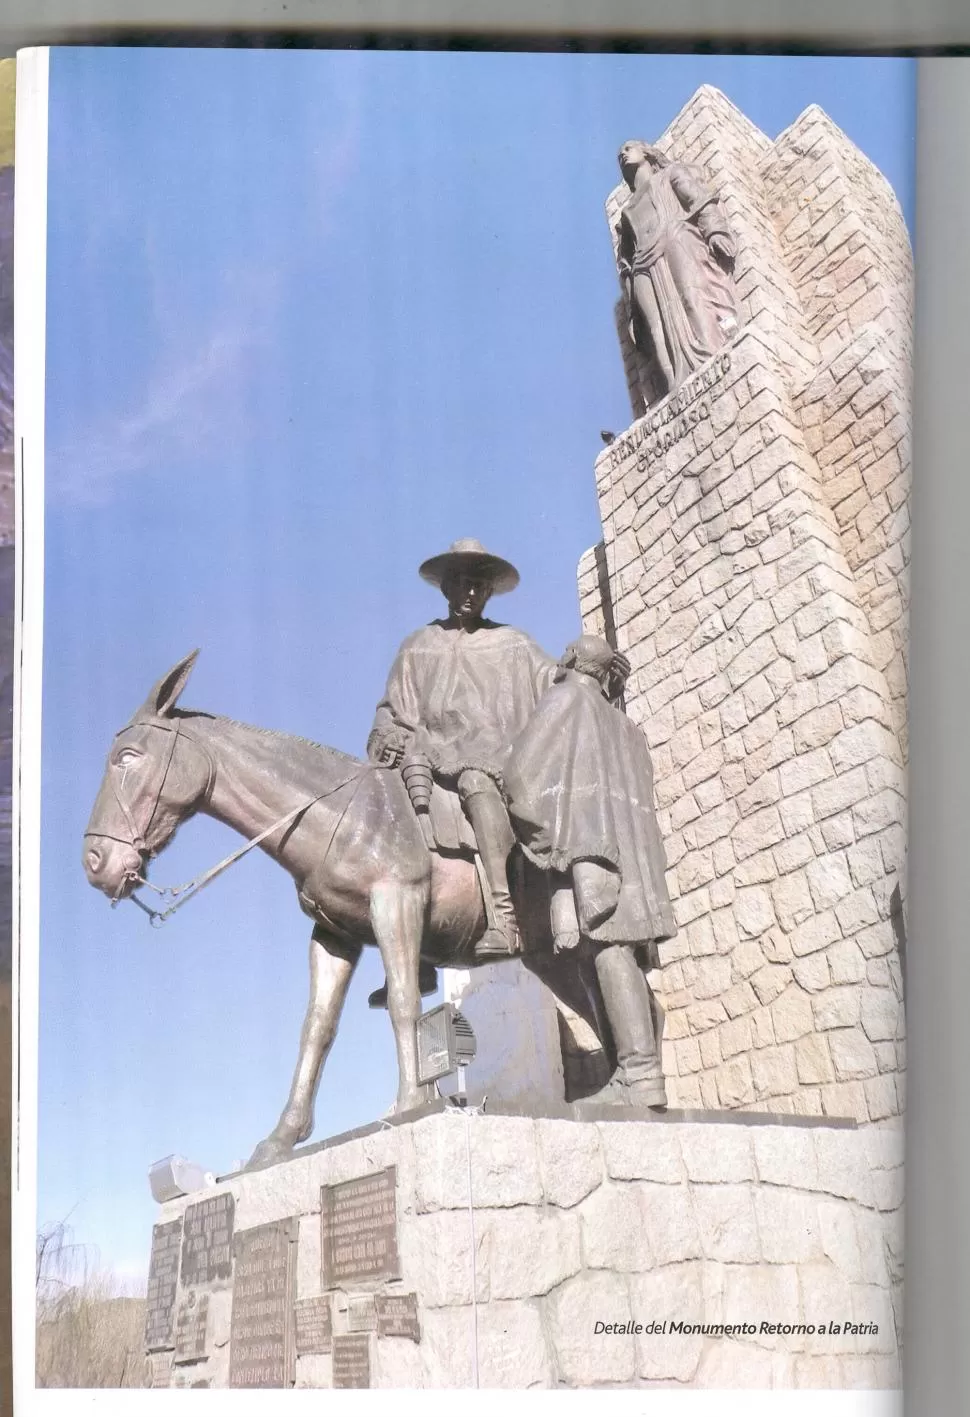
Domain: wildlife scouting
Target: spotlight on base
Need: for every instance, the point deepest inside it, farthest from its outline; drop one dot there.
(173, 1176)
(446, 1044)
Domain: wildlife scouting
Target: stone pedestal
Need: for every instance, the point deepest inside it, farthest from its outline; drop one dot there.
(519, 1059)
(554, 1226)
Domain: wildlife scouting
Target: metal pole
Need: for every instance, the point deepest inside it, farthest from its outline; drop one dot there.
(471, 1236)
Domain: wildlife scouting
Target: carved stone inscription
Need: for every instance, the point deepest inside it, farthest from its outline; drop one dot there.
(261, 1349)
(655, 434)
(207, 1242)
(314, 1325)
(190, 1328)
(351, 1360)
(163, 1271)
(358, 1222)
(397, 1316)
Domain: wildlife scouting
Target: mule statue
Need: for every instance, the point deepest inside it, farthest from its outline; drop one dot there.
(347, 833)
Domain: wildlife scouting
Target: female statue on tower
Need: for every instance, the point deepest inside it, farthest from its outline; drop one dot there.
(675, 257)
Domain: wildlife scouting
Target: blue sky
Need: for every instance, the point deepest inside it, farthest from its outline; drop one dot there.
(311, 316)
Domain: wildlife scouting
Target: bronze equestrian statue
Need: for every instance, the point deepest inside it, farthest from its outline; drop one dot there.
(368, 866)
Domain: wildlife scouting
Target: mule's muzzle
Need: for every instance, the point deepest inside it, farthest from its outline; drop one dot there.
(112, 866)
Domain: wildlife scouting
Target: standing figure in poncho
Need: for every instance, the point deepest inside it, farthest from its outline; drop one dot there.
(579, 783)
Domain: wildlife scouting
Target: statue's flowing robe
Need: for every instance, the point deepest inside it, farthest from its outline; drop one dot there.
(462, 697)
(579, 783)
(683, 306)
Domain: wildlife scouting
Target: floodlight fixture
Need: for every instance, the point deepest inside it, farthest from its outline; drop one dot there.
(446, 1044)
(173, 1176)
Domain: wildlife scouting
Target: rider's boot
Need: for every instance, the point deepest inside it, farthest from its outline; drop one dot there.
(493, 833)
(427, 984)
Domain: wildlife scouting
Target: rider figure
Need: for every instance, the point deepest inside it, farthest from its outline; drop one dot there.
(458, 693)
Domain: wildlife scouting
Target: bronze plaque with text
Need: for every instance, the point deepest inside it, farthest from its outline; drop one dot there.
(261, 1348)
(207, 1241)
(351, 1360)
(190, 1327)
(159, 1373)
(397, 1316)
(358, 1222)
(163, 1269)
(314, 1325)
(361, 1313)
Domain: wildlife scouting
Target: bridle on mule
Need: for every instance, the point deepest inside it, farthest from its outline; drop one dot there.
(174, 897)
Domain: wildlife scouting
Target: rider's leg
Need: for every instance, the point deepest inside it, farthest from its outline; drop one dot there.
(489, 817)
(562, 912)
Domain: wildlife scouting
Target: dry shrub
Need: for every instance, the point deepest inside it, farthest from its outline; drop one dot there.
(90, 1326)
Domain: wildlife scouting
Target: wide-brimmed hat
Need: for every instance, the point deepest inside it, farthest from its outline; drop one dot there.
(470, 555)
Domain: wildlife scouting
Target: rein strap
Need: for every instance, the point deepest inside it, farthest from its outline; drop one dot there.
(181, 895)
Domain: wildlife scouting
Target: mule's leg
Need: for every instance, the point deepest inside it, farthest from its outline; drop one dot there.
(398, 913)
(330, 975)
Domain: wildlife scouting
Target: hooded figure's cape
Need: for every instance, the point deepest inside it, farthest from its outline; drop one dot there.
(579, 784)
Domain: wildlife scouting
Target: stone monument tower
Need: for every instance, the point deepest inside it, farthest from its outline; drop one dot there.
(753, 569)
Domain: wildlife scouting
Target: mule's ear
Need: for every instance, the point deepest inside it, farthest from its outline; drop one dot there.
(163, 698)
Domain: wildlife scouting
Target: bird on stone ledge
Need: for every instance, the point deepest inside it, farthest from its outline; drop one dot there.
(607, 436)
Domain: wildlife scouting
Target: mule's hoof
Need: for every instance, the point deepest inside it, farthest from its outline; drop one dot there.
(269, 1151)
(409, 1103)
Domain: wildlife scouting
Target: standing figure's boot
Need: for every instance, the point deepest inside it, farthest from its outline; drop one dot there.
(639, 1079)
(493, 832)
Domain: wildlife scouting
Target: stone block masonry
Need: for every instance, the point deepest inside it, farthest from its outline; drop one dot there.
(779, 1228)
(754, 569)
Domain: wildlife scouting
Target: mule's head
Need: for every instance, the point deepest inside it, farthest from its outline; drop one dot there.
(156, 775)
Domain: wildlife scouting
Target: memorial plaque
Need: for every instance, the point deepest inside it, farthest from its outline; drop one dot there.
(207, 1241)
(190, 1328)
(358, 1221)
(160, 1370)
(163, 1271)
(351, 1360)
(397, 1316)
(314, 1325)
(361, 1313)
(261, 1348)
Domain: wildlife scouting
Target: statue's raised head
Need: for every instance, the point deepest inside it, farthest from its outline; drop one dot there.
(634, 153)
